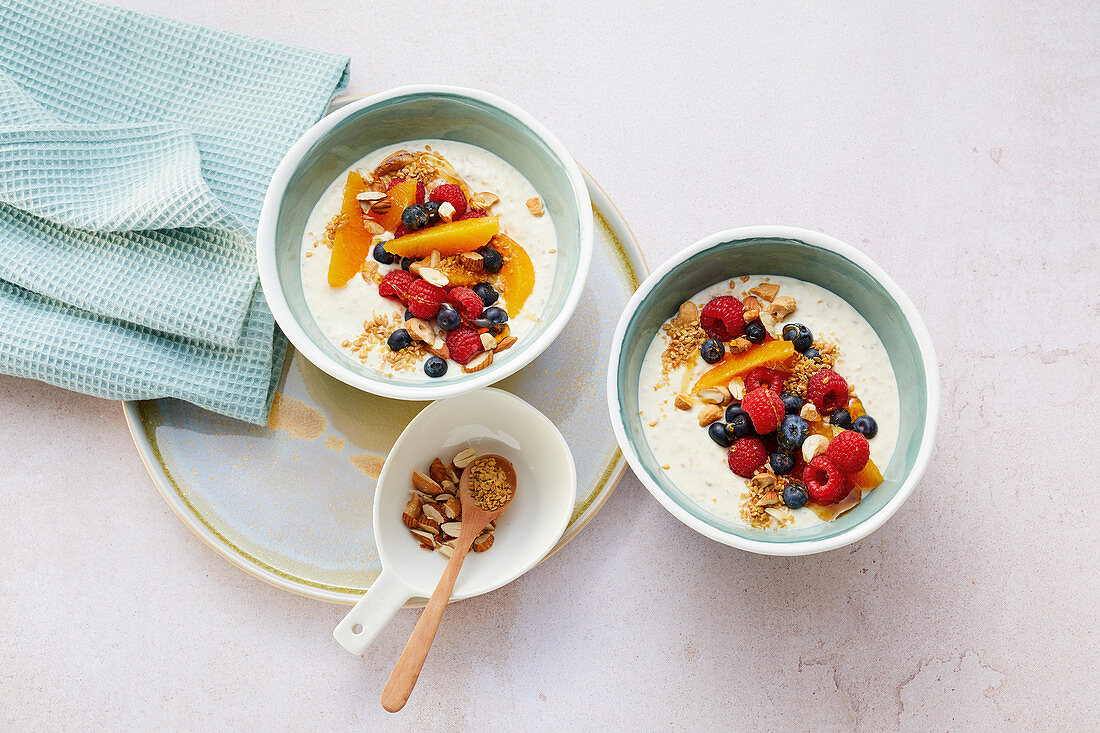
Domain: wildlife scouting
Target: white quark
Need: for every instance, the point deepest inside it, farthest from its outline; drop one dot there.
(340, 312)
(696, 464)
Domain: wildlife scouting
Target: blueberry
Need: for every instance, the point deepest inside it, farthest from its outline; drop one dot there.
(495, 315)
(795, 495)
(405, 262)
(431, 208)
(782, 463)
(740, 426)
(811, 353)
(414, 217)
(399, 339)
(712, 351)
(792, 403)
(487, 294)
(718, 433)
(792, 432)
(733, 411)
(448, 318)
(491, 259)
(382, 255)
(408, 314)
(865, 424)
(435, 367)
(841, 418)
(755, 333)
(799, 336)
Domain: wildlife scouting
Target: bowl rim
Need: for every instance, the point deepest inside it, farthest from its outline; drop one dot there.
(920, 334)
(280, 308)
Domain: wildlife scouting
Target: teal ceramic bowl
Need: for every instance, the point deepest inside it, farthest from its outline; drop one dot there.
(814, 258)
(465, 115)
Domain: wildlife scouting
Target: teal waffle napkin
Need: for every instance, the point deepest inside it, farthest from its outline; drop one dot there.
(134, 156)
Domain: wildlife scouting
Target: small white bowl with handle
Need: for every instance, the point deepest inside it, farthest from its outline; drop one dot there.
(489, 421)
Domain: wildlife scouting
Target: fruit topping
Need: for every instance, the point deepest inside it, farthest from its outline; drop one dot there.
(782, 463)
(448, 318)
(495, 315)
(351, 242)
(799, 336)
(517, 273)
(828, 391)
(452, 194)
(764, 408)
(712, 351)
(849, 452)
(755, 333)
(795, 495)
(739, 426)
(722, 318)
(486, 292)
(734, 410)
(399, 197)
(491, 259)
(824, 481)
(414, 218)
(463, 343)
(447, 239)
(399, 339)
(435, 366)
(866, 425)
(811, 354)
(792, 402)
(792, 432)
(467, 302)
(841, 418)
(732, 365)
(425, 299)
(395, 284)
(764, 377)
(746, 455)
(718, 433)
(381, 255)
(406, 262)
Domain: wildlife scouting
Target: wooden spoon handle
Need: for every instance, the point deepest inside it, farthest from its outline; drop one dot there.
(403, 678)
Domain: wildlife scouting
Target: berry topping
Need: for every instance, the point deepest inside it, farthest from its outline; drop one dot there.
(712, 351)
(811, 354)
(718, 433)
(799, 336)
(491, 259)
(828, 391)
(406, 261)
(866, 425)
(739, 426)
(496, 316)
(421, 192)
(841, 418)
(395, 284)
(471, 214)
(452, 193)
(399, 339)
(408, 314)
(823, 481)
(381, 255)
(435, 367)
(425, 299)
(733, 411)
(795, 495)
(723, 318)
(764, 377)
(463, 343)
(448, 318)
(747, 455)
(401, 231)
(487, 293)
(792, 402)
(792, 433)
(848, 451)
(466, 301)
(782, 463)
(755, 332)
(765, 408)
(414, 217)
(431, 208)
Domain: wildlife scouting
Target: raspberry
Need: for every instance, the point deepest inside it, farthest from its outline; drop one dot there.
(395, 284)
(452, 193)
(849, 452)
(463, 343)
(425, 299)
(400, 231)
(467, 302)
(747, 455)
(824, 482)
(393, 183)
(471, 214)
(765, 409)
(723, 318)
(764, 376)
(828, 391)
(421, 192)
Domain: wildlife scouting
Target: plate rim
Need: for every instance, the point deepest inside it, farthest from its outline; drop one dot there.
(166, 487)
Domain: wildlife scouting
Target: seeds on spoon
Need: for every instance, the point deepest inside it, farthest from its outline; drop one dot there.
(489, 484)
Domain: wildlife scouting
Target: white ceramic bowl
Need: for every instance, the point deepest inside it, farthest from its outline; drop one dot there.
(812, 257)
(490, 421)
(409, 113)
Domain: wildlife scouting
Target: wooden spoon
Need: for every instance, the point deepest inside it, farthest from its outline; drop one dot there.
(474, 519)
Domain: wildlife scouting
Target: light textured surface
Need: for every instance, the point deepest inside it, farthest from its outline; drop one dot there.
(955, 143)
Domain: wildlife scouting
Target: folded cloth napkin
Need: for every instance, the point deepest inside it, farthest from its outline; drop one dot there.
(134, 156)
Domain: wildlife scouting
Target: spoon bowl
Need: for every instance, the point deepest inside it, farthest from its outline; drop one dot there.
(489, 421)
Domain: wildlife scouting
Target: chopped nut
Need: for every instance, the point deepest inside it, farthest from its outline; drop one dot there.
(411, 515)
(751, 315)
(714, 395)
(768, 499)
(472, 260)
(452, 508)
(762, 480)
(425, 484)
(395, 162)
(505, 344)
(709, 414)
(740, 345)
(446, 551)
(534, 205)
(446, 211)
(483, 542)
(766, 291)
(438, 348)
(432, 512)
(814, 445)
(484, 200)
(382, 205)
(369, 196)
(683, 402)
(488, 341)
(373, 227)
(454, 529)
(434, 259)
(688, 315)
(428, 525)
(420, 330)
(809, 413)
(438, 471)
(479, 362)
(782, 307)
(464, 458)
(434, 276)
(751, 303)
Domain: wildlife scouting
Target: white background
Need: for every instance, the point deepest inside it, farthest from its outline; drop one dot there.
(955, 143)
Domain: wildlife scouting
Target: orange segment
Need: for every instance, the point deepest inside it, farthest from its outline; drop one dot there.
(449, 239)
(517, 277)
(402, 196)
(351, 242)
(734, 365)
(869, 477)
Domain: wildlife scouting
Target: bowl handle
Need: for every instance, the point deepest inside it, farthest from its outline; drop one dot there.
(371, 613)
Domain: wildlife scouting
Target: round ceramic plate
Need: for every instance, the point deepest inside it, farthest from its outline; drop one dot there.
(291, 503)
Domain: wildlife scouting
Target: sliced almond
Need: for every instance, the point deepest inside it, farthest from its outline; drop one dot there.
(439, 348)
(434, 276)
(438, 471)
(737, 389)
(411, 515)
(428, 525)
(431, 511)
(714, 395)
(534, 205)
(780, 513)
(381, 206)
(769, 498)
(425, 498)
(765, 291)
(395, 162)
(505, 343)
(425, 484)
(479, 362)
(420, 330)
(464, 458)
(488, 341)
(472, 260)
(422, 535)
(370, 196)
(446, 211)
(454, 529)
(446, 551)
(709, 414)
(683, 401)
(483, 542)
(452, 508)
(434, 259)
(373, 227)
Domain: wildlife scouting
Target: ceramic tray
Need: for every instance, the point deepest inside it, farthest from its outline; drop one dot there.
(291, 503)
